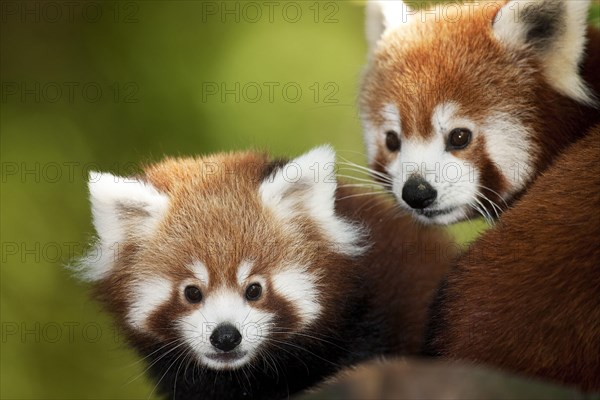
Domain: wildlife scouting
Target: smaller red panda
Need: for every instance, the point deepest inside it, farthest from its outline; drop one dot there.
(526, 295)
(237, 276)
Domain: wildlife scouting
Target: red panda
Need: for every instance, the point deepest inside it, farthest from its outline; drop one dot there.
(465, 105)
(526, 295)
(237, 276)
(478, 108)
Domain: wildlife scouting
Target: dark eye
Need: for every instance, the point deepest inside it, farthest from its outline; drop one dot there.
(193, 294)
(392, 141)
(459, 139)
(253, 292)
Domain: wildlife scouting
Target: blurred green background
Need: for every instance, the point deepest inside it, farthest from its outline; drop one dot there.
(105, 85)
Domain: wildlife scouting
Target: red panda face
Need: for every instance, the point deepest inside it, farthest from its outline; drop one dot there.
(221, 257)
(451, 99)
(225, 323)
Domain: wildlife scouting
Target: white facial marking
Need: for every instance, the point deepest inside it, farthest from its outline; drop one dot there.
(445, 118)
(374, 136)
(147, 295)
(225, 306)
(371, 137)
(200, 272)
(509, 146)
(299, 287)
(243, 272)
(454, 179)
(391, 117)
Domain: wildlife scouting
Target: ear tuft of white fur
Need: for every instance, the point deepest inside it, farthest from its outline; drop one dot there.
(382, 15)
(556, 31)
(122, 209)
(307, 186)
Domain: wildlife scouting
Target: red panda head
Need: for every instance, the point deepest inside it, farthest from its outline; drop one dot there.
(455, 98)
(222, 255)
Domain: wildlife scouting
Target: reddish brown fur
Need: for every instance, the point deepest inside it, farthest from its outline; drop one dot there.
(526, 295)
(404, 266)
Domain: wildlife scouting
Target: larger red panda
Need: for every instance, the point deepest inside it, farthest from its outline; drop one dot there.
(464, 105)
(236, 276)
(498, 90)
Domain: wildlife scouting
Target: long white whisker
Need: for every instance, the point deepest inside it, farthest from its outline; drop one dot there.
(166, 371)
(496, 193)
(359, 195)
(157, 360)
(486, 215)
(364, 175)
(363, 168)
(495, 207)
(361, 185)
(353, 178)
(476, 208)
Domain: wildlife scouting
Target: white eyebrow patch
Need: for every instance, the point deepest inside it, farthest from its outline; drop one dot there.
(200, 271)
(374, 135)
(148, 295)
(243, 271)
(442, 116)
(299, 287)
(445, 118)
(391, 118)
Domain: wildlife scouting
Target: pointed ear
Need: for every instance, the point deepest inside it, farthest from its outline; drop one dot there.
(122, 209)
(383, 15)
(556, 32)
(306, 183)
(307, 186)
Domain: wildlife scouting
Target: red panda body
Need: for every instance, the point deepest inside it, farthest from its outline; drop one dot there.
(238, 277)
(506, 93)
(526, 295)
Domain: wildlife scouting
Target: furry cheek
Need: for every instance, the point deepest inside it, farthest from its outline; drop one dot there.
(147, 296)
(300, 288)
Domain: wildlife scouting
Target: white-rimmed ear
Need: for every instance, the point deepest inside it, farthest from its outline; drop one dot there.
(383, 15)
(122, 209)
(556, 31)
(307, 186)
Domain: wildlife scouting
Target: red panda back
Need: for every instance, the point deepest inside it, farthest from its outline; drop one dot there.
(526, 295)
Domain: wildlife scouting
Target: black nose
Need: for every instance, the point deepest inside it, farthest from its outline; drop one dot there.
(225, 337)
(417, 193)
